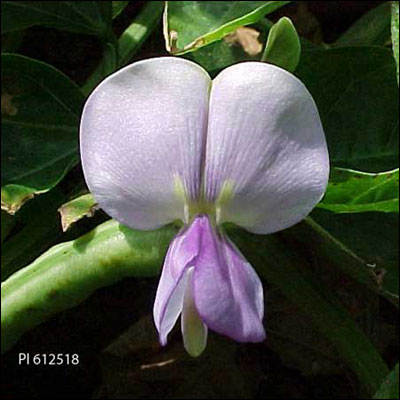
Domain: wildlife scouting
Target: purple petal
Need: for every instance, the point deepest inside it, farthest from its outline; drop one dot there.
(265, 147)
(142, 140)
(181, 255)
(227, 292)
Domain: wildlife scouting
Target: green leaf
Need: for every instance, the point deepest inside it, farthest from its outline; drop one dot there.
(118, 7)
(189, 25)
(70, 272)
(90, 17)
(364, 245)
(395, 34)
(390, 387)
(357, 97)
(129, 42)
(13, 197)
(372, 28)
(283, 45)
(39, 141)
(354, 191)
(76, 209)
(284, 269)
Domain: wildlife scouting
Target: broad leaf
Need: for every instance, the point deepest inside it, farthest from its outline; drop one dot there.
(372, 28)
(90, 17)
(39, 141)
(189, 25)
(354, 191)
(76, 209)
(357, 97)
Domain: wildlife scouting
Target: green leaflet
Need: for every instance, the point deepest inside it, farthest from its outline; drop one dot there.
(283, 45)
(189, 25)
(39, 142)
(76, 209)
(13, 197)
(354, 191)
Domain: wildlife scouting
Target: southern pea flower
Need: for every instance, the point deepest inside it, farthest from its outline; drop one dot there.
(161, 141)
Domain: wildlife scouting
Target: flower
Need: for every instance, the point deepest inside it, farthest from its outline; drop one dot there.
(161, 141)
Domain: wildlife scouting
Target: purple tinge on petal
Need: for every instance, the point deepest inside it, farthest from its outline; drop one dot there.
(181, 255)
(227, 292)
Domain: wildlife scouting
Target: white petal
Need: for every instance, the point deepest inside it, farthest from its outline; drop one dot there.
(173, 308)
(142, 139)
(266, 148)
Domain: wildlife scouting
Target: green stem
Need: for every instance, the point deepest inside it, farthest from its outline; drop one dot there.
(68, 273)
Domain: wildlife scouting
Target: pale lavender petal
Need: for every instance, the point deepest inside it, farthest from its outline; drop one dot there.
(266, 148)
(227, 292)
(181, 255)
(142, 139)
